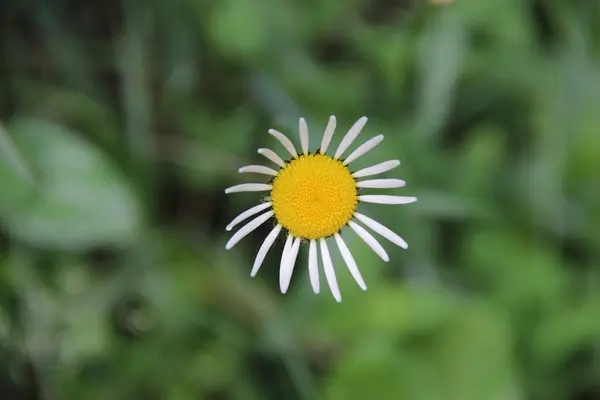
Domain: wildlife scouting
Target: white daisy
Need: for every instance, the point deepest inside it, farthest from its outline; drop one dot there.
(312, 197)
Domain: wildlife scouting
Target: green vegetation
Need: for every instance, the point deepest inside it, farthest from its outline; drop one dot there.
(122, 122)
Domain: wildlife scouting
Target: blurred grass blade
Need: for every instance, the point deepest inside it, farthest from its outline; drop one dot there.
(440, 60)
(283, 109)
(133, 67)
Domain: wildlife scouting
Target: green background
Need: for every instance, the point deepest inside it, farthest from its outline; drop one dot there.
(121, 123)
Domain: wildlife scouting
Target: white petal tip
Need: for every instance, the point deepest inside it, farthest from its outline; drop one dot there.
(283, 287)
(386, 259)
(338, 299)
(228, 228)
(364, 288)
(227, 191)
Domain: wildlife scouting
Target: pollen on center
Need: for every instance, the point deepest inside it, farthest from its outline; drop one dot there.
(314, 196)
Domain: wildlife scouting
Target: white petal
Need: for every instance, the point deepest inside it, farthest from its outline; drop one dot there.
(249, 227)
(329, 271)
(285, 141)
(288, 243)
(329, 130)
(249, 187)
(386, 199)
(286, 249)
(304, 135)
(381, 183)
(350, 263)
(376, 169)
(350, 136)
(287, 266)
(247, 214)
(313, 266)
(369, 240)
(363, 149)
(271, 155)
(258, 169)
(382, 230)
(264, 249)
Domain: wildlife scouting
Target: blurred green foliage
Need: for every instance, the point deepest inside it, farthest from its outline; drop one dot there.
(122, 122)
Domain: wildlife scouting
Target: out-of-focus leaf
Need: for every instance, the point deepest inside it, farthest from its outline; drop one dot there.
(510, 27)
(72, 108)
(571, 328)
(584, 144)
(84, 315)
(371, 370)
(392, 53)
(214, 148)
(81, 200)
(251, 18)
(449, 206)
(388, 310)
(12, 159)
(274, 100)
(4, 326)
(447, 364)
(346, 88)
(475, 357)
(520, 273)
(68, 326)
(480, 160)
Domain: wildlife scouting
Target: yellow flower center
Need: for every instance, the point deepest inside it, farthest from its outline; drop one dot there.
(314, 196)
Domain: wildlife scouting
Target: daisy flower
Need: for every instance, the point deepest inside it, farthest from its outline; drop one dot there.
(312, 196)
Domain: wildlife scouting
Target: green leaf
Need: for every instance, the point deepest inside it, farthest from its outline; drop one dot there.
(11, 157)
(15, 174)
(80, 199)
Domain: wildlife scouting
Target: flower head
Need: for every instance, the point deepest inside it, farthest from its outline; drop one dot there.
(312, 197)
